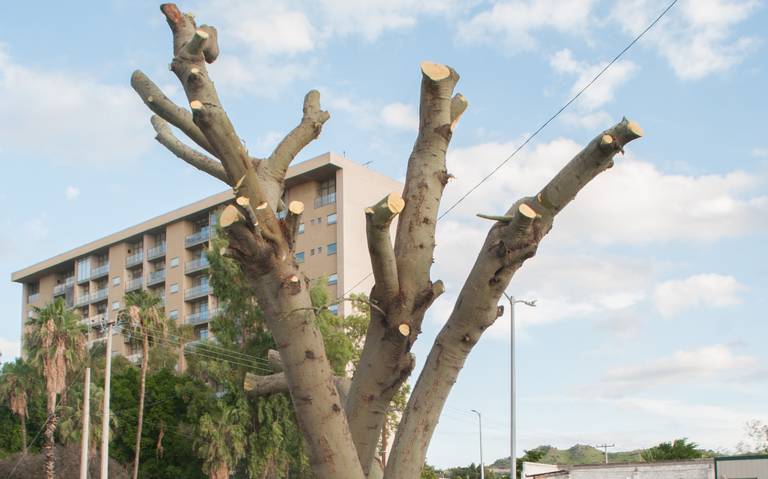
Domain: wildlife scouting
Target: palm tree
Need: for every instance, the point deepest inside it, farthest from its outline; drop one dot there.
(146, 319)
(56, 346)
(221, 441)
(15, 388)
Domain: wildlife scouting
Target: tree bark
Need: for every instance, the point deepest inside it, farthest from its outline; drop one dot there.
(509, 243)
(49, 445)
(23, 425)
(386, 362)
(142, 391)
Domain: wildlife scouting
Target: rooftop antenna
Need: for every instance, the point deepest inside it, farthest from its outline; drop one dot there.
(367, 163)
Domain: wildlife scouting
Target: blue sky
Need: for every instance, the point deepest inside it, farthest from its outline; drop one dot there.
(651, 288)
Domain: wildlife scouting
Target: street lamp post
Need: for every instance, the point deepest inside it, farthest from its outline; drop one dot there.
(480, 421)
(513, 380)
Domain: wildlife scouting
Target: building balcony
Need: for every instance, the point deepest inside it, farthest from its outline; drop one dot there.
(95, 320)
(156, 252)
(196, 265)
(100, 271)
(323, 200)
(82, 300)
(197, 292)
(133, 284)
(201, 316)
(31, 298)
(201, 236)
(156, 277)
(134, 259)
(59, 290)
(99, 295)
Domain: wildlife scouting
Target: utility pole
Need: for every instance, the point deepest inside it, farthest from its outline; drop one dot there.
(605, 447)
(482, 466)
(105, 409)
(513, 382)
(86, 425)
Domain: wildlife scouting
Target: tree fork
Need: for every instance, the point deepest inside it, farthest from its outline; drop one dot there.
(508, 244)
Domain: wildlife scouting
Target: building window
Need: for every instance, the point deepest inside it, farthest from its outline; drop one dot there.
(115, 305)
(312, 221)
(312, 252)
(333, 279)
(33, 292)
(299, 257)
(331, 248)
(174, 261)
(116, 281)
(174, 288)
(203, 334)
(334, 308)
(331, 220)
(326, 193)
(83, 269)
(319, 220)
(319, 250)
(301, 228)
(174, 315)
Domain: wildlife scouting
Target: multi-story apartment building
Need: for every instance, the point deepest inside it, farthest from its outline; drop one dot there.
(166, 254)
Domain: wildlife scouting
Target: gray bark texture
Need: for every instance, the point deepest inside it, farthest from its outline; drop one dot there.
(341, 421)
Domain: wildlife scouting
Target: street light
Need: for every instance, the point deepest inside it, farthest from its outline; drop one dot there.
(480, 420)
(512, 364)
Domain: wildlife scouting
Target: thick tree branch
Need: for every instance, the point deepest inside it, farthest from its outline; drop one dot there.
(292, 222)
(385, 362)
(162, 106)
(203, 163)
(256, 385)
(508, 244)
(378, 221)
(307, 130)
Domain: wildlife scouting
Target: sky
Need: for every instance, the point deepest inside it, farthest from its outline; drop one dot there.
(650, 321)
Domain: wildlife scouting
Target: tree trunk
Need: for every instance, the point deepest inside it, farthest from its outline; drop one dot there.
(48, 445)
(142, 386)
(23, 421)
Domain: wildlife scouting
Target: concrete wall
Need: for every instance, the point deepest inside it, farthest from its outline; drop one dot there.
(698, 469)
(530, 468)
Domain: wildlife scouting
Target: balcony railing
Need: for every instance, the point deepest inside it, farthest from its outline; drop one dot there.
(325, 200)
(200, 237)
(31, 298)
(59, 289)
(99, 295)
(196, 265)
(83, 299)
(156, 277)
(197, 291)
(156, 252)
(100, 271)
(134, 259)
(135, 283)
(201, 316)
(95, 320)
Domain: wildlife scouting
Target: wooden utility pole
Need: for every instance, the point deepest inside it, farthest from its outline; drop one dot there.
(605, 447)
(86, 423)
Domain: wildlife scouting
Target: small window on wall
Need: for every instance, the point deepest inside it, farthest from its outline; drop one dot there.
(115, 305)
(116, 281)
(312, 252)
(334, 308)
(202, 334)
(174, 288)
(333, 279)
(301, 228)
(299, 257)
(331, 248)
(331, 219)
(174, 262)
(173, 314)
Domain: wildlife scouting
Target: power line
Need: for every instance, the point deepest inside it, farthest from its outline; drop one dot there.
(542, 126)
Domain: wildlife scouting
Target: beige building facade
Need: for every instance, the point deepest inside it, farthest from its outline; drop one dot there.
(166, 254)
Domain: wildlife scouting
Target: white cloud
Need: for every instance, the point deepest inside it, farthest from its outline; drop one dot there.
(760, 152)
(515, 21)
(602, 91)
(10, 349)
(672, 297)
(401, 116)
(65, 117)
(72, 192)
(695, 36)
(632, 203)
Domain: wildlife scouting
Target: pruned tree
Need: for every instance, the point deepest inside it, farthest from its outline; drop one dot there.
(342, 435)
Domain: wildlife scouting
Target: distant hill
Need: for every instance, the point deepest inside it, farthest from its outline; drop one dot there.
(578, 454)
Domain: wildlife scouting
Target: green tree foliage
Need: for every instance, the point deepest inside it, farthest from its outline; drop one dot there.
(533, 455)
(669, 451)
(221, 439)
(429, 472)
